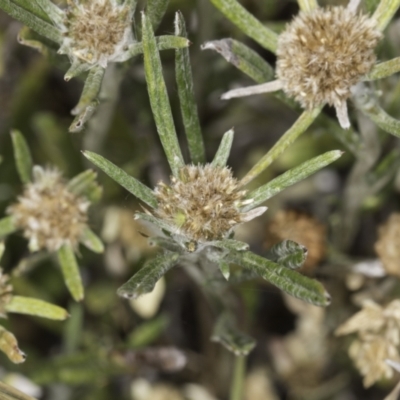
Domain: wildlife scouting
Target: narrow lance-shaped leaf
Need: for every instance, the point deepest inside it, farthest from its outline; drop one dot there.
(159, 98)
(80, 120)
(2, 248)
(225, 269)
(85, 184)
(231, 244)
(8, 392)
(132, 185)
(166, 243)
(226, 333)
(146, 278)
(299, 127)
(7, 226)
(385, 12)
(155, 11)
(37, 24)
(291, 177)
(53, 12)
(248, 24)
(91, 240)
(285, 279)
(70, 271)
(243, 58)
(384, 69)
(36, 307)
(307, 5)
(34, 8)
(76, 68)
(91, 89)
(224, 149)
(184, 81)
(159, 223)
(288, 253)
(22, 155)
(9, 346)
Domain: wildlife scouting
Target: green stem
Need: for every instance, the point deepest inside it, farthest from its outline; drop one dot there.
(238, 378)
(385, 12)
(307, 5)
(300, 126)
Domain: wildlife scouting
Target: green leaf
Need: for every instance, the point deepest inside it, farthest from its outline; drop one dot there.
(159, 99)
(383, 119)
(307, 5)
(32, 21)
(225, 269)
(289, 178)
(33, 8)
(155, 11)
(384, 69)
(285, 279)
(147, 332)
(70, 271)
(243, 58)
(91, 89)
(76, 68)
(226, 333)
(224, 149)
(288, 253)
(80, 120)
(184, 81)
(299, 127)
(91, 240)
(166, 243)
(160, 223)
(385, 12)
(2, 248)
(22, 155)
(85, 184)
(146, 278)
(7, 226)
(248, 24)
(52, 11)
(230, 244)
(36, 307)
(131, 184)
(10, 393)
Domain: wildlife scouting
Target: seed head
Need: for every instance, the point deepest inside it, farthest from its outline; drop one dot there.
(203, 204)
(324, 52)
(48, 213)
(97, 31)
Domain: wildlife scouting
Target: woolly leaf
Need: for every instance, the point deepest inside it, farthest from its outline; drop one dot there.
(166, 243)
(7, 226)
(385, 12)
(91, 241)
(36, 307)
(226, 333)
(85, 184)
(80, 120)
(225, 269)
(22, 155)
(243, 58)
(52, 11)
(9, 346)
(76, 68)
(288, 280)
(248, 24)
(146, 278)
(155, 10)
(224, 149)
(159, 98)
(230, 244)
(70, 271)
(291, 177)
(288, 253)
(383, 119)
(131, 184)
(184, 81)
(384, 69)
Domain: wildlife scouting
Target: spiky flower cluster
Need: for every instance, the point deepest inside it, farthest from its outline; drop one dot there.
(323, 53)
(6, 290)
(49, 214)
(204, 203)
(378, 339)
(97, 31)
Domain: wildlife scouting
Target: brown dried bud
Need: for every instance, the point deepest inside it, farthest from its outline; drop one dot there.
(303, 229)
(388, 245)
(48, 213)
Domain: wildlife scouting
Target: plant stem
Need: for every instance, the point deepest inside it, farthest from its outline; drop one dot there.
(238, 378)
(385, 12)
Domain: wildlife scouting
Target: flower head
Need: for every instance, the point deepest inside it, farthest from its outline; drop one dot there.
(203, 204)
(49, 214)
(97, 31)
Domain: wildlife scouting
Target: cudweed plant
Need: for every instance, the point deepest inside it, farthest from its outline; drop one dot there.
(92, 34)
(195, 214)
(52, 213)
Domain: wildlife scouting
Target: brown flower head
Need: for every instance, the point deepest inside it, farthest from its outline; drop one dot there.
(388, 245)
(378, 330)
(204, 203)
(300, 228)
(48, 213)
(97, 31)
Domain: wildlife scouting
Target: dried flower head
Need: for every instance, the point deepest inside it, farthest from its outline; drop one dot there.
(203, 204)
(320, 56)
(388, 245)
(49, 214)
(300, 228)
(97, 31)
(6, 290)
(378, 331)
